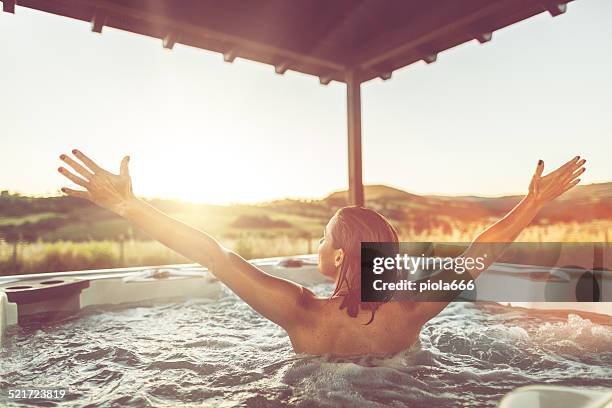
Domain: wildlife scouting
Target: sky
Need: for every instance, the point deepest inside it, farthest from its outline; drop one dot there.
(199, 129)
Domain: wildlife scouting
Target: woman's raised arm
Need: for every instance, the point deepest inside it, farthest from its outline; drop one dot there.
(542, 190)
(492, 242)
(277, 299)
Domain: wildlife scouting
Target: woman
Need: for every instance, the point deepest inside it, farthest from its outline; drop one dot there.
(340, 325)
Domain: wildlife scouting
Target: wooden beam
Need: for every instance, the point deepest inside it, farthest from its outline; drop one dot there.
(281, 68)
(169, 41)
(386, 75)
(430, 58)
(449, 19)
(270, 51)
(555, 8)
(8, 6)
(97, 21)
(325, 80)
(484, 37)
(353, 99)
(230, 55)
(472, 23)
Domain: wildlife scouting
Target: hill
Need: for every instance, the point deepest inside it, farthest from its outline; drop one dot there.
(583, 203)
(64, 218)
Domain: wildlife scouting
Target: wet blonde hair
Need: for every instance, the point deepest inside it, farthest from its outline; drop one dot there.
(356, 224)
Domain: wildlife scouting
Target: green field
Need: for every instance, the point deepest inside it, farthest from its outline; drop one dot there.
(19, 258)
(70, 256)
(60, 233)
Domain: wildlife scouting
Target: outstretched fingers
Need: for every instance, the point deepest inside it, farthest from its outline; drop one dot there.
(578, 164)
(569, 164)
(575, 174)
(570, 185)
(575, 164)
(572, 172)
(124, 170)
(75, 193)
(88, 162)
(563, 173)
(77, 167)
(72, 177)
(571, 177)
(539, 168)
(534, 186)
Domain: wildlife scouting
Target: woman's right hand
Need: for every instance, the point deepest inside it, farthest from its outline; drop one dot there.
(108, 190)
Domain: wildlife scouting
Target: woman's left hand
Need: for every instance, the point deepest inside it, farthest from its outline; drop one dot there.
(545, 189)
(108, 190)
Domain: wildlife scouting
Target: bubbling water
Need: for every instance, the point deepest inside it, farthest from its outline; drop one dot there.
(195, 352)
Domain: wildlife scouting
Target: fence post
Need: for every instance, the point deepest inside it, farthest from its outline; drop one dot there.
(14, 256)
(121, 250)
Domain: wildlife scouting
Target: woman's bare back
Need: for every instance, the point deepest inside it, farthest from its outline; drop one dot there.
(330, 330)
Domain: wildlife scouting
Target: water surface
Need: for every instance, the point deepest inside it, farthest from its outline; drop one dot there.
(222, 353)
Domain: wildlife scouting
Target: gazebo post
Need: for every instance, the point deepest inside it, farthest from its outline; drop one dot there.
(353, 104)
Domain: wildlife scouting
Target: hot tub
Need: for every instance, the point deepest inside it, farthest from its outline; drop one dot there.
(174, 336)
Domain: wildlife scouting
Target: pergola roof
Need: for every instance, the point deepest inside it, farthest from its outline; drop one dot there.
(350, 41)
(325, 38)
